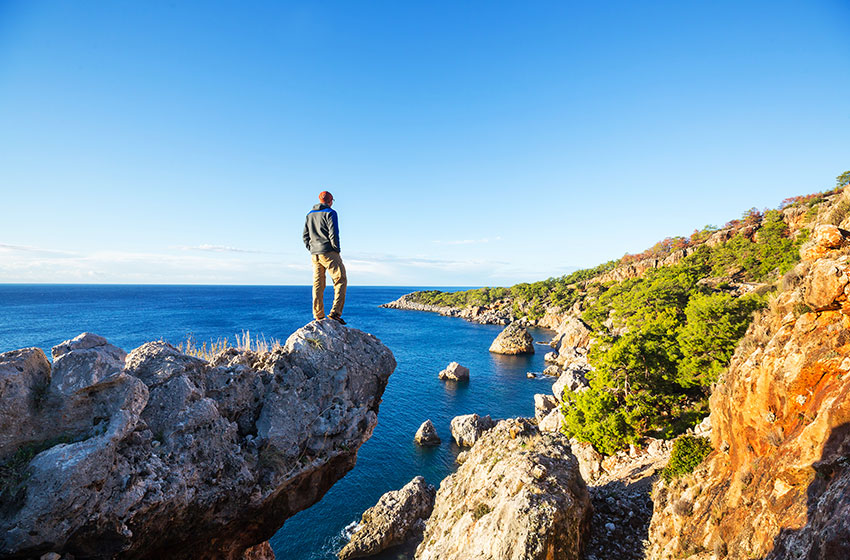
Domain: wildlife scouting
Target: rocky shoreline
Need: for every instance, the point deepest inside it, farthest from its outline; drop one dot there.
(476, 314)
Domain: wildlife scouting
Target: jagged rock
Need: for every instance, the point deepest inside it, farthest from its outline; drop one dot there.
(262, 551)
(543, 404)
(776, 485)
(531, 375)
(518, 495)
(550, 357)
(398, 517)
(719, 237)
(427, 434)
(24, 378)
(455, 372)
(589, 460)
(553, 370)
(573, 333)
(174, 457)
(828, 236)
(515, 339)
(86, 360)
(826, 282)
(572, 380)
(466, 429)
(553, 421)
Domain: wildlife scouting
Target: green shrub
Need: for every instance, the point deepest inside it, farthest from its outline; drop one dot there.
(481, 509)
(688, 452)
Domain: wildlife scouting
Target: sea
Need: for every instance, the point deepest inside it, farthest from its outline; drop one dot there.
(423, 344)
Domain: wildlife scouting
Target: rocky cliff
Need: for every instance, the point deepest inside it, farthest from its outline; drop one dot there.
(777, 484)
(157, 454)
(518, 495)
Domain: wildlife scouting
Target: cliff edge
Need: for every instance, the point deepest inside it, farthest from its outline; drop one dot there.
(777, 484)
(157, 454)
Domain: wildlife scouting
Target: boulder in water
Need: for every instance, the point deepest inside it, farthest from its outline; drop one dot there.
(455, 372)
(514, 340)
(427, 434)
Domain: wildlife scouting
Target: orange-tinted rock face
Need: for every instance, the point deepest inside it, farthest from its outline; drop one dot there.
(778, 482)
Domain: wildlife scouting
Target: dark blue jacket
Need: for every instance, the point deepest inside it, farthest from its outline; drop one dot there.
(321, 230)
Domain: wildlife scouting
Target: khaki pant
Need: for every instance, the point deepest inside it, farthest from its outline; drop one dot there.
(331, 262)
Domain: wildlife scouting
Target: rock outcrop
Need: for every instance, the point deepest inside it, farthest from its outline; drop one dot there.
(553, 421)
(572, 379)
(466, 429)
(427, 434)
(777, 484)
(454, 372)
(518, 495)
(398, 517)
(543, 405)
(513, 340)
(159, 454)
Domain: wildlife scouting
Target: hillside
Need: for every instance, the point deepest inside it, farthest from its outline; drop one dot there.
(653, 331)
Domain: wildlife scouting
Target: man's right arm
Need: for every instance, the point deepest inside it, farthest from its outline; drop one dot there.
(333, 231)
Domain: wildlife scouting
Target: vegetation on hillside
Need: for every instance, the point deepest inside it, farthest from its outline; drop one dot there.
(661, 339)
(528, 300)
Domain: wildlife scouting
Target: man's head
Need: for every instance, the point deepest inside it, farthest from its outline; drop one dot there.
(326, 198)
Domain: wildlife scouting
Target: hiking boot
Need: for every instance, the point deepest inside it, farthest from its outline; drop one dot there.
(337, 318)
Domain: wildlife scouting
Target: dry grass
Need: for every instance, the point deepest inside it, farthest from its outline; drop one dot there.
(243, 342)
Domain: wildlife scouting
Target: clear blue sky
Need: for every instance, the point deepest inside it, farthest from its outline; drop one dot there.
(466, 143)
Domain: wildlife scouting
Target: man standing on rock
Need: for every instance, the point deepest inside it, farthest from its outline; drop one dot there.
(321, 236)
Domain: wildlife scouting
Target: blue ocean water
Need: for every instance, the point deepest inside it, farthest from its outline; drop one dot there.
(423, 344)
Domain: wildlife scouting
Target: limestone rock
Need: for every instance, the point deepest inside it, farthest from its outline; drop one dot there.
(515, 339)
(553, 370)
(572, 380)
(543, 404)
(398, 516)
(550, 357)
(589, 460)
(427, 434)
(83, 362)
(175, 457)
(466, 429)
(828, 236)
(455, 372)
(24, 378)
(553, 421)
(826, 283)
(573, 332)
(518, 495)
